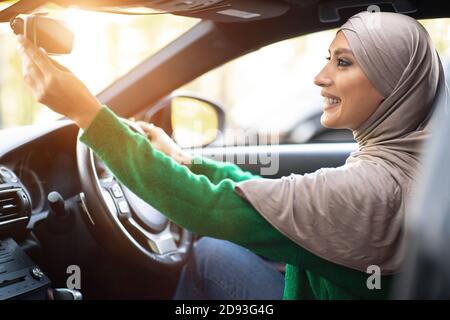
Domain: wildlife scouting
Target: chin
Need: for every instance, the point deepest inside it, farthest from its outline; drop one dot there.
(328, 122)
(333, 119)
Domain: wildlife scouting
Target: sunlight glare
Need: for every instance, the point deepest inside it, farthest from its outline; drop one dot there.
(91, 57)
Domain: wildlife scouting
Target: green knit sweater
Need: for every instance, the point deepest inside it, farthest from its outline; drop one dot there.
(201, 198)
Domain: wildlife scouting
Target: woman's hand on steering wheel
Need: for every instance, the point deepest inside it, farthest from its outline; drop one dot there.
(162, 142)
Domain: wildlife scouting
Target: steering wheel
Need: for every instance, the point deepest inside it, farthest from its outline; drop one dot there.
(124, 222)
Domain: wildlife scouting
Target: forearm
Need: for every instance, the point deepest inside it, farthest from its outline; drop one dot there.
(216, 171)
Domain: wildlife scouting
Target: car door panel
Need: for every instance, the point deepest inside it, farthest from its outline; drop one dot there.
(275, 161)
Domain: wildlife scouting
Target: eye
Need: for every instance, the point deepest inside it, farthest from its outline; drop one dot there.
(343, 63)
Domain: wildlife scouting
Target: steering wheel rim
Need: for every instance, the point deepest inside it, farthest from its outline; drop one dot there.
(124, 232)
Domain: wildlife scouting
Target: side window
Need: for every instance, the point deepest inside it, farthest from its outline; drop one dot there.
(269, 95)
(269, 92)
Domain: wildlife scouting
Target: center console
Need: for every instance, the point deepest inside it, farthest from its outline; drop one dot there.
(20, 277)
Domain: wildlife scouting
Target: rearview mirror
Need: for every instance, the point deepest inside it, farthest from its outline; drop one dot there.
(50, 34)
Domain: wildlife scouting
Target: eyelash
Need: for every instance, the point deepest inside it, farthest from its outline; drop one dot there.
(346, 63)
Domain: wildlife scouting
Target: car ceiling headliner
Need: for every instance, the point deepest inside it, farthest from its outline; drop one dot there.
(258, 9)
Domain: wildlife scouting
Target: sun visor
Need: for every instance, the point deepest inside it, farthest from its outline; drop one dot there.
(217, 10)
(18, 7)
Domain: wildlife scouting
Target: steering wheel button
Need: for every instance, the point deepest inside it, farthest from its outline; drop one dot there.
(123, 206)
(117, 191)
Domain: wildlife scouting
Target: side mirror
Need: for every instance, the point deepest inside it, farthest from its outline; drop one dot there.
(195, 122)
(192, 121)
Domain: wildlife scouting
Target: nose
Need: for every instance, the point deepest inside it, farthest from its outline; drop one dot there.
(322, 79)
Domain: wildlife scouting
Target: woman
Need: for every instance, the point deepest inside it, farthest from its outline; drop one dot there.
(328, 226)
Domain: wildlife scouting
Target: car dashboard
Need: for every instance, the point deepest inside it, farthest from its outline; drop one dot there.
(34, 161)
(43, 160)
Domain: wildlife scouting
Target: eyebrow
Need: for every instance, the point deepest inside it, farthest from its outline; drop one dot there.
(341, 50)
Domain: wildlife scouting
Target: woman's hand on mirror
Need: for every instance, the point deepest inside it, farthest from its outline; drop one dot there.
(162, 142)
(55, 86)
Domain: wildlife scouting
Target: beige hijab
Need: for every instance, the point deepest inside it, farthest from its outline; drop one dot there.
(353, 215)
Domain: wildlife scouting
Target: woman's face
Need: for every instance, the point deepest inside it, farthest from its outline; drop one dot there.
(349, 97)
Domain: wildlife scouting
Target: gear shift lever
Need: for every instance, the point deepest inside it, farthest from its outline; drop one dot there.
(59, 219)
(57, 205)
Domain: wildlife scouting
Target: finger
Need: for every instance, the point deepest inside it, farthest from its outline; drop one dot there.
(30, 70)
(41, 59)
(146, 126)
(32, 83)
(149, 129)
(33, 78)
(33, 73)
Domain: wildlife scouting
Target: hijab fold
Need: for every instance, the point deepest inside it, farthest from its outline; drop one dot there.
(353, 215)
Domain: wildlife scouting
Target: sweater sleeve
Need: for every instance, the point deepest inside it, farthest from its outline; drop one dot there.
(217, 171)
(189, 200)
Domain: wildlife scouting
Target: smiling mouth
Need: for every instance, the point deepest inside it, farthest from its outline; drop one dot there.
(331, 103)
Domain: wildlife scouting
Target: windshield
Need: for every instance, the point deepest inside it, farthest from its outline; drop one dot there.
(106, 47)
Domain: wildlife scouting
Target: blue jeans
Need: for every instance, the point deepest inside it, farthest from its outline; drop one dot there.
(221, 270)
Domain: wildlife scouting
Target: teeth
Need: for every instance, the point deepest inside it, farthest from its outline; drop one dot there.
(331, 100)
